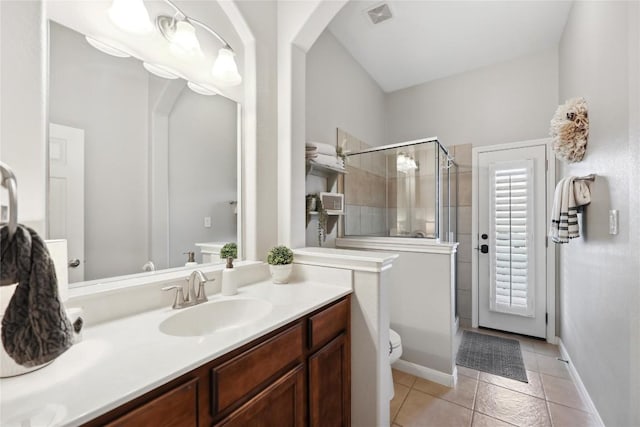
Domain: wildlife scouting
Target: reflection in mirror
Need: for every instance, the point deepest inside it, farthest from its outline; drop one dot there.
(141, 168)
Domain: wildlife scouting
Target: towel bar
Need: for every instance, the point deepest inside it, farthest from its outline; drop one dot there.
(591, 177)
(10, 183)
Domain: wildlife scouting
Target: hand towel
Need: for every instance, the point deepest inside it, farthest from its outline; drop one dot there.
(581, 193)
(35, 327)
(564, 214)
(322, 148)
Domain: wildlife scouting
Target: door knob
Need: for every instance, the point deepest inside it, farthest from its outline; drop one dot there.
(73, 263)
(484, 249)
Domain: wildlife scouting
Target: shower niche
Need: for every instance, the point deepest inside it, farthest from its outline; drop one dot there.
(404, 190)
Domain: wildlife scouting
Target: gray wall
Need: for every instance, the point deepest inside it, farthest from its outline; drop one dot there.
(202, 173)
(339, 94)
(505, 102)
(600, 273)
(107, 97)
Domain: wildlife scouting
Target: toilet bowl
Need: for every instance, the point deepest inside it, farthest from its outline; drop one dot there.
(395, 351)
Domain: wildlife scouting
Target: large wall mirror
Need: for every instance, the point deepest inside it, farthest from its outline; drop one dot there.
(142, 169)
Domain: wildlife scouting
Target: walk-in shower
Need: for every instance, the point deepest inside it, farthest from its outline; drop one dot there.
(407, 189)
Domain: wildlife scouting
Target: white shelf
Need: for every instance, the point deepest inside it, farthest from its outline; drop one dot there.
(322, 170)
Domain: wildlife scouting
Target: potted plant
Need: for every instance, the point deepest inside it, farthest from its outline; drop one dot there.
(280, 259)
(323, 219)
(314, 206)
(229, 250)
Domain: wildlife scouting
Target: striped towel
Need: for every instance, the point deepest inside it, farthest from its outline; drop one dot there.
(564, 214)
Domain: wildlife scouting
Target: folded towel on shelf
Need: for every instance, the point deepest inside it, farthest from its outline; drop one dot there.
(564, 213)
(321, 148)
(35, 327)
(332, 161)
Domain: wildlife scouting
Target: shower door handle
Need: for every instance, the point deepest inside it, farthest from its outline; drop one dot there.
(484, 249)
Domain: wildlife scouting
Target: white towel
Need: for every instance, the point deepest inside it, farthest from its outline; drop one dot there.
(321, 148)
(332, 161)
(581, 193)
(564, 214)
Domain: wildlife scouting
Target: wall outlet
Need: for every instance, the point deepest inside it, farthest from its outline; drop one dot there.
(613, 221)
(207, 222)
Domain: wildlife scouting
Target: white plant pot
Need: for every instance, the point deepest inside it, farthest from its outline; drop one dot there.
(280, 273)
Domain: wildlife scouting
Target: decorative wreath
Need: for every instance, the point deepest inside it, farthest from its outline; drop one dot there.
(570, 130)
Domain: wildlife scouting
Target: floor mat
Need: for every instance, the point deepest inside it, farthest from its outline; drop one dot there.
(495, 355)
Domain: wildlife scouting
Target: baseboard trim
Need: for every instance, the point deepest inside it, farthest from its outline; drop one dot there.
(448, 380)
(578, 382)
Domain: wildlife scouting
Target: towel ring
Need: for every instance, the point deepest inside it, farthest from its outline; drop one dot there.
(10, 183)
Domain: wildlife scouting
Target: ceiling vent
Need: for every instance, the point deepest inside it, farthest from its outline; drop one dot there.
(379, 13)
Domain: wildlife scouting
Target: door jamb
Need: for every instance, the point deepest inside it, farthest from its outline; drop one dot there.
(551, 248)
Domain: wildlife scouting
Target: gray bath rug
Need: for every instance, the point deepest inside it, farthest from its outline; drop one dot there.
(495, 355)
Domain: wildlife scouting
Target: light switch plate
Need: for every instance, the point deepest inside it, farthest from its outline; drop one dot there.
(613, 221)
(207, 222)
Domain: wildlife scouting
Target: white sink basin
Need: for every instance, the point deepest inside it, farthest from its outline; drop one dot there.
(215, 316)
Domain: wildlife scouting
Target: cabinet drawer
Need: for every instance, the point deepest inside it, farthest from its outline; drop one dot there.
(177, 407)
(328, 323)
(279, 405)
(246, 373)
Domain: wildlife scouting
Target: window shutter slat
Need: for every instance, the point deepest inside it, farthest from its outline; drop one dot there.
(510, 229)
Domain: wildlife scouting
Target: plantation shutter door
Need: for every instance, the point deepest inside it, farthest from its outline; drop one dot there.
(512, 267)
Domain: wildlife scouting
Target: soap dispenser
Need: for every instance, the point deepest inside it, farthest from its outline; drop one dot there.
(191, 259)
(229, 280)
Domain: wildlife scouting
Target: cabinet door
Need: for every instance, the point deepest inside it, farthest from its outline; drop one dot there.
(279, 405)
(177, 407)
(330, 385)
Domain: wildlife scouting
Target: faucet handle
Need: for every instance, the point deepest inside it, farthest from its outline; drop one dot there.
(178, 302)
(202, 296)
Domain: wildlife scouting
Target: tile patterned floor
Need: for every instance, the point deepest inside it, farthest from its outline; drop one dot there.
(480, 399)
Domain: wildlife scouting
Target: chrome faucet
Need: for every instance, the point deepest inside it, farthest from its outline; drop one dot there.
(191, 298)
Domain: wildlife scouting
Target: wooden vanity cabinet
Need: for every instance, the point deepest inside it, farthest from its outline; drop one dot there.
(298, 375)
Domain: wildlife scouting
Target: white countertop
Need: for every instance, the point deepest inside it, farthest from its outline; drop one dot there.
(120, 360)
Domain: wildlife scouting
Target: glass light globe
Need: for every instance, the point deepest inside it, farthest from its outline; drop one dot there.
(130, 16)
(225, 70)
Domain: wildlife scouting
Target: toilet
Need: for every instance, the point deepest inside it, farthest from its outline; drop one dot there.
(395, 351)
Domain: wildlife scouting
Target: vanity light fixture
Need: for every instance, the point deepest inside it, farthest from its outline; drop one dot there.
(130, 16)
(225, 69)
(405, 163)
(202, 89)
(106, 48)
(180, 33)
(179, 30)
(160, 71)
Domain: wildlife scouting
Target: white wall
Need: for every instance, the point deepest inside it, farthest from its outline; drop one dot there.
(23, 105)
(202, 173)
(261, 18)
(505, 102)
(107, 97)
(339, 94)
(600, 273)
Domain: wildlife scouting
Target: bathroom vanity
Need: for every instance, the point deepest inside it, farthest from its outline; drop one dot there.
(300, 370)
(288, 365)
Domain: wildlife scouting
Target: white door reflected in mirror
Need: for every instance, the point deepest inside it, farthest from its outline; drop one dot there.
(66, 193)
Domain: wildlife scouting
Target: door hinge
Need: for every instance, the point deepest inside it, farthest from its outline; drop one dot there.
(546, 165)
(546, 241)
(546, 318)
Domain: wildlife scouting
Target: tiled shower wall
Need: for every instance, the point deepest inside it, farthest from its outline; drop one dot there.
(366, 194)
(462, 154)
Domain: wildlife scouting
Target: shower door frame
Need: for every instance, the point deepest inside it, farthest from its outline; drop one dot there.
(437, 174)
